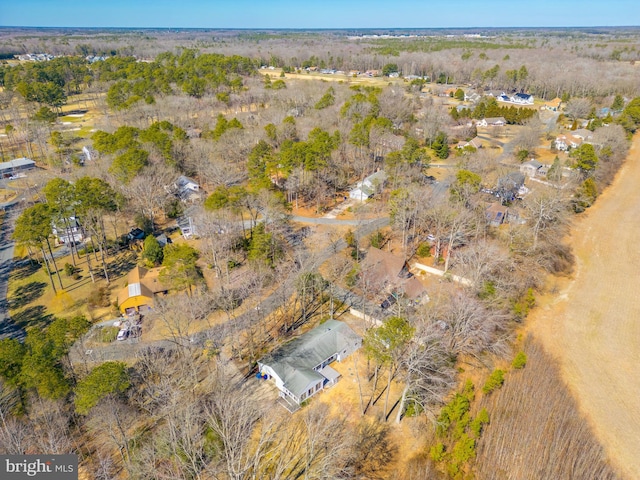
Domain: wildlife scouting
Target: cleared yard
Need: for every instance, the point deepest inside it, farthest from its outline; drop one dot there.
(591, 322)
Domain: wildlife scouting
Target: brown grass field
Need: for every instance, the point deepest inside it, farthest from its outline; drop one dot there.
(591, 322)
(360, 80)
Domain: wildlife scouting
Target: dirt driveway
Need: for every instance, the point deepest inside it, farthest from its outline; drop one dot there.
(592, 323)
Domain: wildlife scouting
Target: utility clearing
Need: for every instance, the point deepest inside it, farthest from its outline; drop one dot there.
(591, 322)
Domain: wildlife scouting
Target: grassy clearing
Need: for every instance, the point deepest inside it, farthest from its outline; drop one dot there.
(33, 303)
(72, 119)
(7, 195)
(85, 131)
(373, 81)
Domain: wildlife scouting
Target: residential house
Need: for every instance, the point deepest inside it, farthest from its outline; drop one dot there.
(301, 367)
(531, 168)
(553, 105)
(186, 224)
(17, 165)
(492, 122)
(522, 99)
(567, 141)
(472, 97)
(369, 186)
(95, 58)
(35, 57)
(390, 275)
(475, 142)
(186, 189)
(68, 230)
(604, 112)
(142, 286)
(496, 214)
(493, 93)
(503, 98)
(543, 170)
(136, 234)
(584, 134)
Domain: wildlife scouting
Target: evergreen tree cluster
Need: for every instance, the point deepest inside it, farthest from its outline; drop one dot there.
(489, 107)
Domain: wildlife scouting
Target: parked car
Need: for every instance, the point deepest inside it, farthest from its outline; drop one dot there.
(123, 334)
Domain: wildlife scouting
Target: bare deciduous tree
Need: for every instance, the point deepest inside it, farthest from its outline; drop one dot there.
(578, 108)
(548, 214)
(233, 415)
(528, 137)
(426, 370)
(467, 326)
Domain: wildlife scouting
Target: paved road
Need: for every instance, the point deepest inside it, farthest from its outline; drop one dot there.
(7, 327)
(331, 221)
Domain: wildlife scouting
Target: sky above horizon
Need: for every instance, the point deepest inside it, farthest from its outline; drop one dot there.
(318, 14)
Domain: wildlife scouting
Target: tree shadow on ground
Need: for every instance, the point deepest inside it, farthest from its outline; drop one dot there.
(35, 316)
(26, 269)
(26, 294)
(8, 329)
(120, 266)
(78, 284)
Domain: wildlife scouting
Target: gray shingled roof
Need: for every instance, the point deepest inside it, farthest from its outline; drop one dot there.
(294, 362)
(17, 163)
(533, 163)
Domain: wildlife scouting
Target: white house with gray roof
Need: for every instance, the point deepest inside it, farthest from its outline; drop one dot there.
(300, 368)
(369, 186)
(531, 168)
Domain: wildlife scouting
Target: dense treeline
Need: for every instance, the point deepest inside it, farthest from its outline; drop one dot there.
(490, 108)
(195, 74)
(50, 83)
(40, 363)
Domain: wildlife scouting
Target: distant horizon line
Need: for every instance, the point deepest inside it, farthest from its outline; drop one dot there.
(323, 28)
